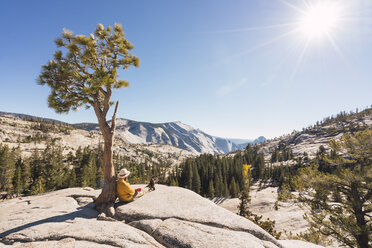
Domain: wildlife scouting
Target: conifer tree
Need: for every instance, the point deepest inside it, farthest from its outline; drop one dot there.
(210, 189)
(174, 182)
(225, 188)
(244, 203)
(87, 169)
(35, 167)
(85, 76)
(25, 175)
(7, 168)
(38, 187)
(196, 180)
(217, 186)
(219, 171)
(92, 171)
(53, 167)
(72, 179)
(189, 176)
(237, 189)
(233, 189)
(99, 167)
(3, 165)
(340, 204)
(17, 176)
(17, 179)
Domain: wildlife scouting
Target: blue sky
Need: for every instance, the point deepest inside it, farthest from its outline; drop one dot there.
(209, 64)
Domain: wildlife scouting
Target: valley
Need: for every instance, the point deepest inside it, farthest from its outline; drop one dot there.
(179, 155)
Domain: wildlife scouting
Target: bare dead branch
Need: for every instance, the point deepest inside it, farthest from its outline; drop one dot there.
(113, 121)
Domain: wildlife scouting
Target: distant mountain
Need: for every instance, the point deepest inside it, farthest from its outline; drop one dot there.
(242, 143)
(30, 133)
(309, 139)
(170, 133)
(260, 139)
(176, 134)
(31, 117)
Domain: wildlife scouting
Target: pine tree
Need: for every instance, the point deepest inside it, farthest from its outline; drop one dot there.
(217, 186)
(93, 171)
(99, 167)
(17, 180)
(36, 170)
(86, 75)
(233, 189)
(210, 189)
(53, 169)
(189, 178)
(237, 190)
(225, 189)
(7, 168)
(3, 165)
(174, 182)
(72, 179)
(340, 203)
(220, 171)
(25, 176)
(275, 156)
(38, 187)
(196, 180)
(85, 169)
(245, 199)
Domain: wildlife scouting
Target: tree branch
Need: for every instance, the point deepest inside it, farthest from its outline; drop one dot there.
(113, 121)
(106, 100)
(102, 91)
(105, 129)
(76, 62)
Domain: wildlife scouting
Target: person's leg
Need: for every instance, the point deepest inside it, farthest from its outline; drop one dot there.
(140, 193)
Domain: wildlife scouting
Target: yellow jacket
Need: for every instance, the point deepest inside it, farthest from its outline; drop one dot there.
(125, 191)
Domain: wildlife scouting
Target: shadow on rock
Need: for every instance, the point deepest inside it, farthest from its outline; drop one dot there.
(86, 212)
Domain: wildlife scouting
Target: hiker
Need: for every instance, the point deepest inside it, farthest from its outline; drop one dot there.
(125, 192)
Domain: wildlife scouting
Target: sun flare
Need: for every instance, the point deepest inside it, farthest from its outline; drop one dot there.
(320, 19)
(314, 24)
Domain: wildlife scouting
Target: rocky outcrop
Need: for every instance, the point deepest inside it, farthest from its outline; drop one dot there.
(166, 217)
(179, 233)
(297, 244)
(288, 216)
(65, 218)
(310, 139)
(185, 205)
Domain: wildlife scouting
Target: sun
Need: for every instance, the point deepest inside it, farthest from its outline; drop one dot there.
(315, 24)
(320, 19)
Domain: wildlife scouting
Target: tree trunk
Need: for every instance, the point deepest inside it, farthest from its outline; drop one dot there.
(357, 205)
(108, 195)
(105, 201)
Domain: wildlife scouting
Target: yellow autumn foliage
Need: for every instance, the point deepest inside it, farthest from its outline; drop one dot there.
(247, 171)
